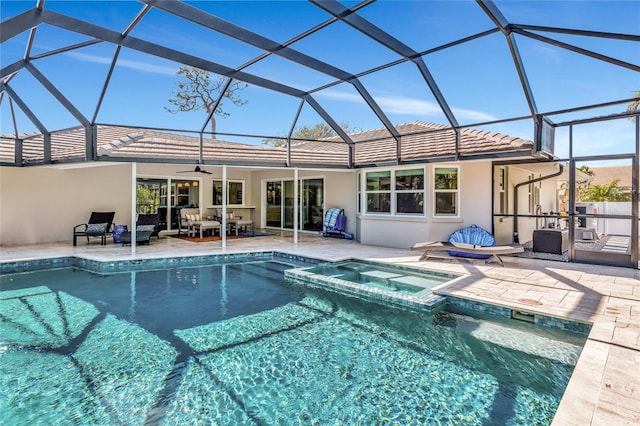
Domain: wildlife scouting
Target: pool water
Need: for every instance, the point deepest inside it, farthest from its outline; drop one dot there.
(236, 344)
(377, 275)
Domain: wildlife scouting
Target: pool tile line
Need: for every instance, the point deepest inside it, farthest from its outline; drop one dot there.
(542, 320)
(126, 265)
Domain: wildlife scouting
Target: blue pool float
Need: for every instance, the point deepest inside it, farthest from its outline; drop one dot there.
(472, 235)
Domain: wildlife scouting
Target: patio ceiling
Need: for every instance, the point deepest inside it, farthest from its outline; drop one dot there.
(111, 65)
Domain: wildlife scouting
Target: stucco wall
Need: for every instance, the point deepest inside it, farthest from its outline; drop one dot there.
(43, 204)
(405, 231)
(164, 171)
(340, 191)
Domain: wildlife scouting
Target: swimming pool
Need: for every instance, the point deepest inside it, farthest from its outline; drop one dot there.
(236, 344)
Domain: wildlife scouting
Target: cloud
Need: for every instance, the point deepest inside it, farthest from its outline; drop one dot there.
(408, 106)
(134, 65)
(471, 115)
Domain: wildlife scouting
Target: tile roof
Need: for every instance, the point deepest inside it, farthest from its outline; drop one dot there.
(419, 141)
(606, 175)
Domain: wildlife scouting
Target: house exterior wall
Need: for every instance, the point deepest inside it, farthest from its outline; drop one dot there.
(339, 191)
(76, 191)
(403, 231)
(164, 171)
(43, 204)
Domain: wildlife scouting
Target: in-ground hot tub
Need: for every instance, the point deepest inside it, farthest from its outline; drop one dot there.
(395, 284)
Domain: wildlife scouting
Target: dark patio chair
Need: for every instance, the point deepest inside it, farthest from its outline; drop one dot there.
(99, 225)
(150, 219)
(146, 227)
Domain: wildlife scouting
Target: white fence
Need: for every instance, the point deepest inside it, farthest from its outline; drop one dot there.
(609, 226)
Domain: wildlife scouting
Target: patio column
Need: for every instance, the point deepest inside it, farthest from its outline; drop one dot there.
(295, 205)
(133, 208)
(223, 228)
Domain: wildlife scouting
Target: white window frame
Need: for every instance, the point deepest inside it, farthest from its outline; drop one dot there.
(422, 191)
(378, 191)
(441, 191)
(363, 193)
(359, 192)
(503, 194)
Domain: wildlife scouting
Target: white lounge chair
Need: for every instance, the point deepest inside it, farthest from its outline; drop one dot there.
(440, 250)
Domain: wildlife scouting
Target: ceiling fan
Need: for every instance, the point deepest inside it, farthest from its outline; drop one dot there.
(196, 170)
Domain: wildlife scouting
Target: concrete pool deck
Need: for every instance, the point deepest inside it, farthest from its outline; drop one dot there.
(605, 386)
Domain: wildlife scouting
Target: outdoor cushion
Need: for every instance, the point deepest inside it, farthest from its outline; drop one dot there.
(143, 228)
(96, 228)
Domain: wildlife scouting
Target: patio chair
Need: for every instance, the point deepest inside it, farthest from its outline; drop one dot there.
(237, 223)
(99, 225)
(187, 214)
(146, 227)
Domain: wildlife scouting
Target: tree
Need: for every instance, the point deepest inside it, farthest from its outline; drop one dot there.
(605, 192)
(586, 169)
(635, 104)
(198, 90)
(318, 131)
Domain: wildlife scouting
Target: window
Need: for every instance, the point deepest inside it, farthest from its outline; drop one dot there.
(359, 191)
(235, 192)
(405, 196)
(410, 191)
(502, 191)
(530, 198)
(379, 192)
(445, 180)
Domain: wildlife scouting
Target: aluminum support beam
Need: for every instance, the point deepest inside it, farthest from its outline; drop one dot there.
(47, 148)
(214, 23)
(32, 37)
(291, 130)
(216, 105)
(56, 94)
(584, 33)
(20, 23)
(330, 121)
(23, 107)
(578, 50)
(105, 84)
(81, 27)
(372, 31)
(66, 49)
(236, 32)
(17, 152)
(296, 204)
(223, 228)
(502, 24)
(134, 191)
(11, 69)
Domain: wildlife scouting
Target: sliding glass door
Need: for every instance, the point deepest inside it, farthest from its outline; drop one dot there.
(311, 206)
(274, 204)
(167, 197)
(279, 204)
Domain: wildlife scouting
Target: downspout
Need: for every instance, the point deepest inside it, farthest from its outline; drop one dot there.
(516, 238)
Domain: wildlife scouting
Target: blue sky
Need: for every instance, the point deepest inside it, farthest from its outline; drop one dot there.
(477, 79)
